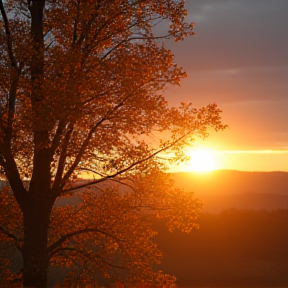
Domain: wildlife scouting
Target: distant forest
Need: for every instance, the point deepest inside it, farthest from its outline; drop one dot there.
(235, 248)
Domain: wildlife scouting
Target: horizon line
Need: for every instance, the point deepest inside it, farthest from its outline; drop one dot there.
(265, 151)
(235, 170)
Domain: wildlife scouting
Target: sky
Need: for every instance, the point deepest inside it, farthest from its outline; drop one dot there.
(239, 60)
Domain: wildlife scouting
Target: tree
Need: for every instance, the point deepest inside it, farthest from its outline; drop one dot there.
(81, 86)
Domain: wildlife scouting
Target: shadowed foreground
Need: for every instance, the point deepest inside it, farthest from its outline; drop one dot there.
(235, 248)
(232, 249)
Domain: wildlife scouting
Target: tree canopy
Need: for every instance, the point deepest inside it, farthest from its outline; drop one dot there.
(81, 91)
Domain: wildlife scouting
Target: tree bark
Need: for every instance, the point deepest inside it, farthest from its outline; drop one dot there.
(35, 256)
(36, 223)
(36, 216)
(37, 210)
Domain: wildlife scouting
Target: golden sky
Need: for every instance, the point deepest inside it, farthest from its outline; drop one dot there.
(238, 59)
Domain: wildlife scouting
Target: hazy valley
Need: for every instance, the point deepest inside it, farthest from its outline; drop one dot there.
(227, 189)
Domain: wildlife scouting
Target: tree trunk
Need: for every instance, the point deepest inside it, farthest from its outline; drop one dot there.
(37, 213)
(36, 216)
(36, 260)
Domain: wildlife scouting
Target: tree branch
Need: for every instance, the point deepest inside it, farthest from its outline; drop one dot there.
(8, 34)
(85, 255)
(130, 166)
(14, 179)
(57, 137)
(68, 236)
(88, 138)
(17, 242)
(62, 159)
(102, 175)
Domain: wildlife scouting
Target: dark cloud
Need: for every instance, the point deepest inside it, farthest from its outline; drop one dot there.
(239, 59)
(238, 33)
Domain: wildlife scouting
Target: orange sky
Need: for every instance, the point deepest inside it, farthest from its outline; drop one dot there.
(238, 59)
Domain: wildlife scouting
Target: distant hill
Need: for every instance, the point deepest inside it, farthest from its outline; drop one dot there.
(224, 189)
(227, 189)
(231, 181)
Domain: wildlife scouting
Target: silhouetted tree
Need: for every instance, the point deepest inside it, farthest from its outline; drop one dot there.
(81, 86)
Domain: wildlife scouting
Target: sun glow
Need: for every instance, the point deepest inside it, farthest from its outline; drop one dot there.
(202, 160)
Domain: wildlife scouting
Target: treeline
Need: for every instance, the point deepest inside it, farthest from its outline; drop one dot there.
(235, 248)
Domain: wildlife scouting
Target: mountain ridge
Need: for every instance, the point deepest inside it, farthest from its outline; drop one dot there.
(233, 181)
(231, 189)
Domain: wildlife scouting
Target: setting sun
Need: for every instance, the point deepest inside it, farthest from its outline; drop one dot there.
(201, 160)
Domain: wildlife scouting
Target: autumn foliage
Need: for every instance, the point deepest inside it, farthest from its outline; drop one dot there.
(81, 85)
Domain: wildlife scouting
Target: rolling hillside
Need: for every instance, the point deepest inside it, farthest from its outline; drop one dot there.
(227, 189)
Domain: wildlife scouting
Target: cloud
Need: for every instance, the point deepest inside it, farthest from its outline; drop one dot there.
(253, 152)
(235, 85)
(236, 33)
(238, 59)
